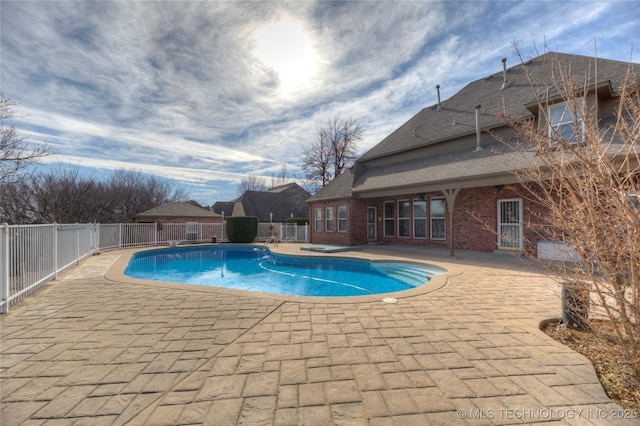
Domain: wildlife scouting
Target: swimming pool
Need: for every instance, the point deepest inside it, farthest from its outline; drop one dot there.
(255, 268)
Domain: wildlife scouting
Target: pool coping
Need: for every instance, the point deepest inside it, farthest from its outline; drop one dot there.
(115, 273)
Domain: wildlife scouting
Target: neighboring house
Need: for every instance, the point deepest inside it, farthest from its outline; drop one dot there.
(428, 182)
(224, 208)
(275, 205)
(177, 213)
(183, 222)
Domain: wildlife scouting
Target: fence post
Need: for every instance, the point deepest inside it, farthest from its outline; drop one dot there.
(96, 237)
(4, 267)
(77, 243)
(54, 225)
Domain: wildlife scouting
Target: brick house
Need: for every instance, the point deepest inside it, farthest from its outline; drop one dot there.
(182, 221)
(173, 212)
(445, 178)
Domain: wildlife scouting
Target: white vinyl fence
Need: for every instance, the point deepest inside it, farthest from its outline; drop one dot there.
(286, 232)
(31, 255)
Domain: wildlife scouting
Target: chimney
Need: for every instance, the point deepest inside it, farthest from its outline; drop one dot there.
(505, 83)
(438, 89)
(478, 147)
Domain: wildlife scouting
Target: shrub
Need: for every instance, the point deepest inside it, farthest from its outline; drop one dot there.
(301, 221)
(242, 229)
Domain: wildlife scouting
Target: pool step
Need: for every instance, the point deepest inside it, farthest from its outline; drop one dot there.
(411, 275)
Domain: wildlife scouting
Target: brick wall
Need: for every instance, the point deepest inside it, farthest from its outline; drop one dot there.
(333, 237)
(475, 220)
(174, 219)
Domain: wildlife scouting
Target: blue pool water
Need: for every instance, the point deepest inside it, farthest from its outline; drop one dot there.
(255, 268)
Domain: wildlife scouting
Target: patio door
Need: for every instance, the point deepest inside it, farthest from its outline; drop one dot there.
(371, 224)
(510, 224)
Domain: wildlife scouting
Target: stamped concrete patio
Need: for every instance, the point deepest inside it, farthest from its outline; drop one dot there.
(96, 348)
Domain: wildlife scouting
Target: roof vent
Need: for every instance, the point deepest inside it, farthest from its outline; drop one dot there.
(505, 83)
(478, 147)
(438, 89)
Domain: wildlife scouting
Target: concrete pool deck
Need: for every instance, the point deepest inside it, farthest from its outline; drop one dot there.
(93, 349)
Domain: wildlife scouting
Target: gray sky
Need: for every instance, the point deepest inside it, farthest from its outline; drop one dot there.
(206, 93)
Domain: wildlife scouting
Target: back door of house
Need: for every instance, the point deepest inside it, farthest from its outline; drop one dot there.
(510, 224)
(371, 224)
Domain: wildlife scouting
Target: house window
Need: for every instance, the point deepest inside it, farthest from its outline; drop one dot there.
(565, 119)
(328, 222)
(342, 218)
(419, 219)
(389, 219)
(437, 216)
(317, 217)
(403, 218)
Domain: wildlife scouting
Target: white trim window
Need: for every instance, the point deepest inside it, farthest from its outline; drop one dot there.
(342, 218)
(437, 223)
(565, 121)
(404, 212)
(328, 219)
(389, 219)
(419, 218)
(317, 219)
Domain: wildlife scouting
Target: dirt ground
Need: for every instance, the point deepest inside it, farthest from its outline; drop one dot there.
(602, 348)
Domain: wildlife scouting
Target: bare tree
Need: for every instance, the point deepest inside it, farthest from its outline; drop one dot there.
(584, 179)
(15, 203)
(130, 192)
(332, 152)
(16, 155)
(344, 135)
(317, 161)
(66, 196)
(281, 178)
(252, 183)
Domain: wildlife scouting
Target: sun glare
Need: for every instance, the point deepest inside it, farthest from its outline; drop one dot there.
(286, 48)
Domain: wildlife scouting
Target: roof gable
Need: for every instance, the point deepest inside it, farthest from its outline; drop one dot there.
(173, 209)
(436, 148)
(339, 187)
(456, 116)
(276, 205)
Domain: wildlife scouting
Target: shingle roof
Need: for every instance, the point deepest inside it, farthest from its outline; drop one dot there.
(339, 187)
(225, 207)
(456, 116)
(281, 202)
(172, 209)
(456, 119)
(430, 173)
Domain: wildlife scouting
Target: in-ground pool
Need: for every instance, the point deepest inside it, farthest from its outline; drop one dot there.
(255, 268)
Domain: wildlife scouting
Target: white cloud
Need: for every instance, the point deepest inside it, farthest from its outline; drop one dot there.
(176, 89)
